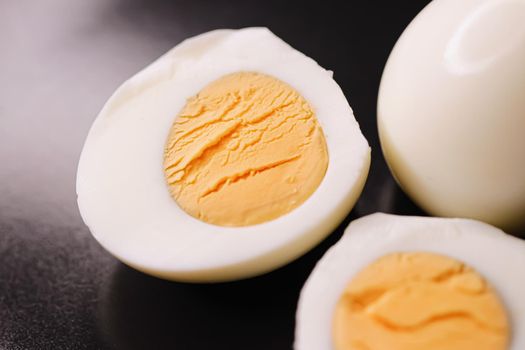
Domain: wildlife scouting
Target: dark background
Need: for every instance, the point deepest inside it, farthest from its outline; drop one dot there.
(59, 61)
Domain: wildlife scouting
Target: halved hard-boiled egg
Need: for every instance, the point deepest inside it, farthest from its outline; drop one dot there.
(227, 157)
(407, 283)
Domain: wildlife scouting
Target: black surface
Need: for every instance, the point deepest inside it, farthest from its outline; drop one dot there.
(60, 61)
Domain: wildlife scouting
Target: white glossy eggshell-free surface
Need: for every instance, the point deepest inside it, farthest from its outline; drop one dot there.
(498, 257)
(122, 193)
(451, 110)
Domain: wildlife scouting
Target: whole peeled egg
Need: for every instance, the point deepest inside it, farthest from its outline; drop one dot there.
(451, 110)
(227, 157)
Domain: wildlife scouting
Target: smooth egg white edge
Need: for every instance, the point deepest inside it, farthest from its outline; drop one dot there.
(498, 257)
(122, 193)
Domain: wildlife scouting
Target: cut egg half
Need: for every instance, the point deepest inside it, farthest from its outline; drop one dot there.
(395, 282)
(228, 157)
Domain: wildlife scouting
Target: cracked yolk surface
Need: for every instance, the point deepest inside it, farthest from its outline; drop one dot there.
(246, 149)
(409, 301)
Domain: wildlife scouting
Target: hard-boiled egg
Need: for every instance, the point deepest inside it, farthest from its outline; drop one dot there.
(227, 157)
(451, 110)
(407, 283)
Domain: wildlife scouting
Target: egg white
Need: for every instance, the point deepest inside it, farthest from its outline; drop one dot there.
(498, 257)
(123, 196)
(451, 111)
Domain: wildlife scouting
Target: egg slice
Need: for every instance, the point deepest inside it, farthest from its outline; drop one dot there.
(396, 282)
(227, 157)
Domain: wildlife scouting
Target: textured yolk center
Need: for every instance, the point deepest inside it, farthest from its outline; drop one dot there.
(245, 150)
(414, 301)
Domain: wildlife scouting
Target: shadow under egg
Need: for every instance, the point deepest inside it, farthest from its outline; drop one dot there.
(137, 311)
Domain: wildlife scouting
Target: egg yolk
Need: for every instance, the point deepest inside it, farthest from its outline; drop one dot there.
(246, 149)
(414, 301)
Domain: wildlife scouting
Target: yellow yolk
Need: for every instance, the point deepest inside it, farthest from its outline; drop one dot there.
(414, 301)
(246, 149)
